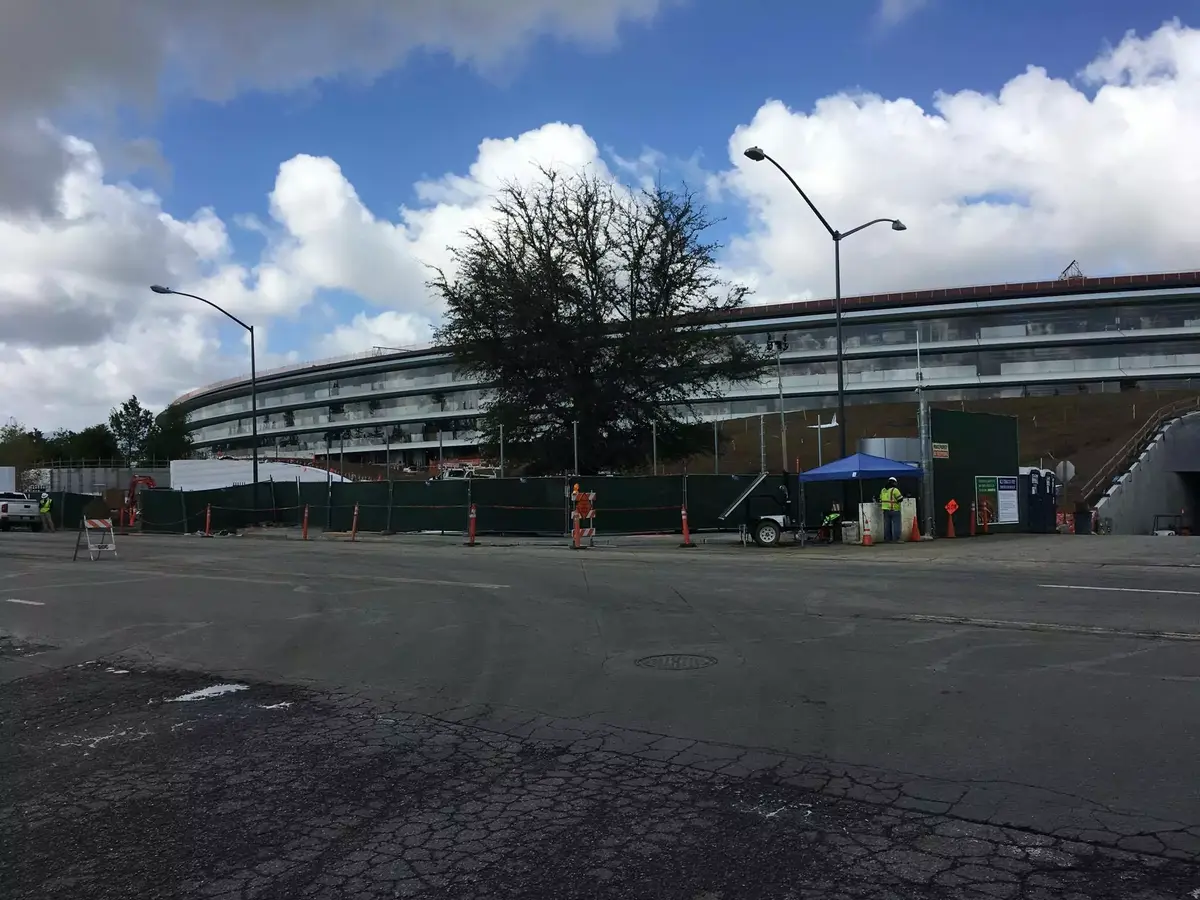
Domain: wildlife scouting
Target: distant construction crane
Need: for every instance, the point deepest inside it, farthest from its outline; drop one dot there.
(1071, 271)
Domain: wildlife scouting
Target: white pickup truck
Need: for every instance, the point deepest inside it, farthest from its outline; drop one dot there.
(18, 509)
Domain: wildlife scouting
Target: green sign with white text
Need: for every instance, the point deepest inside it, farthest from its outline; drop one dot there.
(997, 495)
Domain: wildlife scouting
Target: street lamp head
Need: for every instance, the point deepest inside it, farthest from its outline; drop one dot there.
(897, 225)
(755, 154)
(159, 289)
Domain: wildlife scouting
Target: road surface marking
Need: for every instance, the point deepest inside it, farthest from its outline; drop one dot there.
(400, 579)
(24, 602)
(1051, 626)
(1123, 590)
(215, 690)
(82, 584)
(388, 580)
(247, 579)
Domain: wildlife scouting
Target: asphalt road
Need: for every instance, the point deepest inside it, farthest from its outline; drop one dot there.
(900, 700)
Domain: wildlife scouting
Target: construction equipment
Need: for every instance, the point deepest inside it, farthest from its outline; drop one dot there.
(1167, 526)
(770, 513)
(131, 499)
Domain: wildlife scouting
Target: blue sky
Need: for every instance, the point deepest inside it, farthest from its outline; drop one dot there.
(678, 85)
(1007, 185)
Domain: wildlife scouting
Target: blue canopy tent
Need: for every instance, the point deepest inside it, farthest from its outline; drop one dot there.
(860, 467)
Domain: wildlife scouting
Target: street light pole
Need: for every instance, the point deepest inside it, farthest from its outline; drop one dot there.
(160, 289)
(253, 416)
(758, 155)
(837, 327)
(820, 429)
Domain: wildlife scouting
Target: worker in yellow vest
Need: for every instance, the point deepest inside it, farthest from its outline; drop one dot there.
(831, 524)
(44, 508)
(889, 501)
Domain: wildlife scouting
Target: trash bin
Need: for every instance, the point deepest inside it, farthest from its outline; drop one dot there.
(850, 533)
(1083, 522)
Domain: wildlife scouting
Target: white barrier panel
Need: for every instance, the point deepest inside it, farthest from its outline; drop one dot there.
(97, 536)
(908, 513)
(870, 521)
(872, 513)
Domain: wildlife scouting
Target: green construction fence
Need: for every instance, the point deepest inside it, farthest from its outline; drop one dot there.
(624, 505)
(972, 444)
(66, 508)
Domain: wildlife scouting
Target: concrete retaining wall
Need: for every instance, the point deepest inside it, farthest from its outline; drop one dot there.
(1153, 485)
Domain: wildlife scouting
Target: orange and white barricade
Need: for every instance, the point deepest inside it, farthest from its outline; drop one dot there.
(583, 518)
(97, 536)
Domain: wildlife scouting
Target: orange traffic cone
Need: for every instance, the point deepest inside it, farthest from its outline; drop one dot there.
(916, 531)
(687, 536)
(866, 537)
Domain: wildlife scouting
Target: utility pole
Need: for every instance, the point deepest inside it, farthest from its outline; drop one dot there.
(762, 443)
(820, 429)
(779, 345)
(925, 434)
(654, 446)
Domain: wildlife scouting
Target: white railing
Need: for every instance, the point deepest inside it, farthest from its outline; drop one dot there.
(302, 367)
(746, 321)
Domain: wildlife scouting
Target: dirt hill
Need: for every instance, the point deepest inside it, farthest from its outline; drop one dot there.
(1086, 429)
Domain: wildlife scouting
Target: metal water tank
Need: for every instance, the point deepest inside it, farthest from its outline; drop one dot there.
(900, 449)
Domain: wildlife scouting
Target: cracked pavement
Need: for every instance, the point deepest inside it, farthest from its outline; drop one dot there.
(280, 792)
(422, 720)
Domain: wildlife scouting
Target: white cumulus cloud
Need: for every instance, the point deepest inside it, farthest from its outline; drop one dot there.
(67, 54)
(330, 240)
(1008, 186)
(388, 330)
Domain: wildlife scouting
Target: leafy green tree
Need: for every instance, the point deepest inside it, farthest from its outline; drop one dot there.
(130, 424)
(60, 444)
(94, 443)
(587, 304)
(169, 437)
(20, 446)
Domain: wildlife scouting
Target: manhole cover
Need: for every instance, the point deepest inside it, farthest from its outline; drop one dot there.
(677, 662)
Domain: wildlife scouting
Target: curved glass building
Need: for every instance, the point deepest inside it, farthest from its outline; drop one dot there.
(411, 407)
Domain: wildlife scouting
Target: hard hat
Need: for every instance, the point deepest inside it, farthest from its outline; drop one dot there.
(891, 481)
(45, 495)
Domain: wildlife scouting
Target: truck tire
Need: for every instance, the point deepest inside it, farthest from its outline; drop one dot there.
(35, 527)
(5, 526)
(766, 533)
